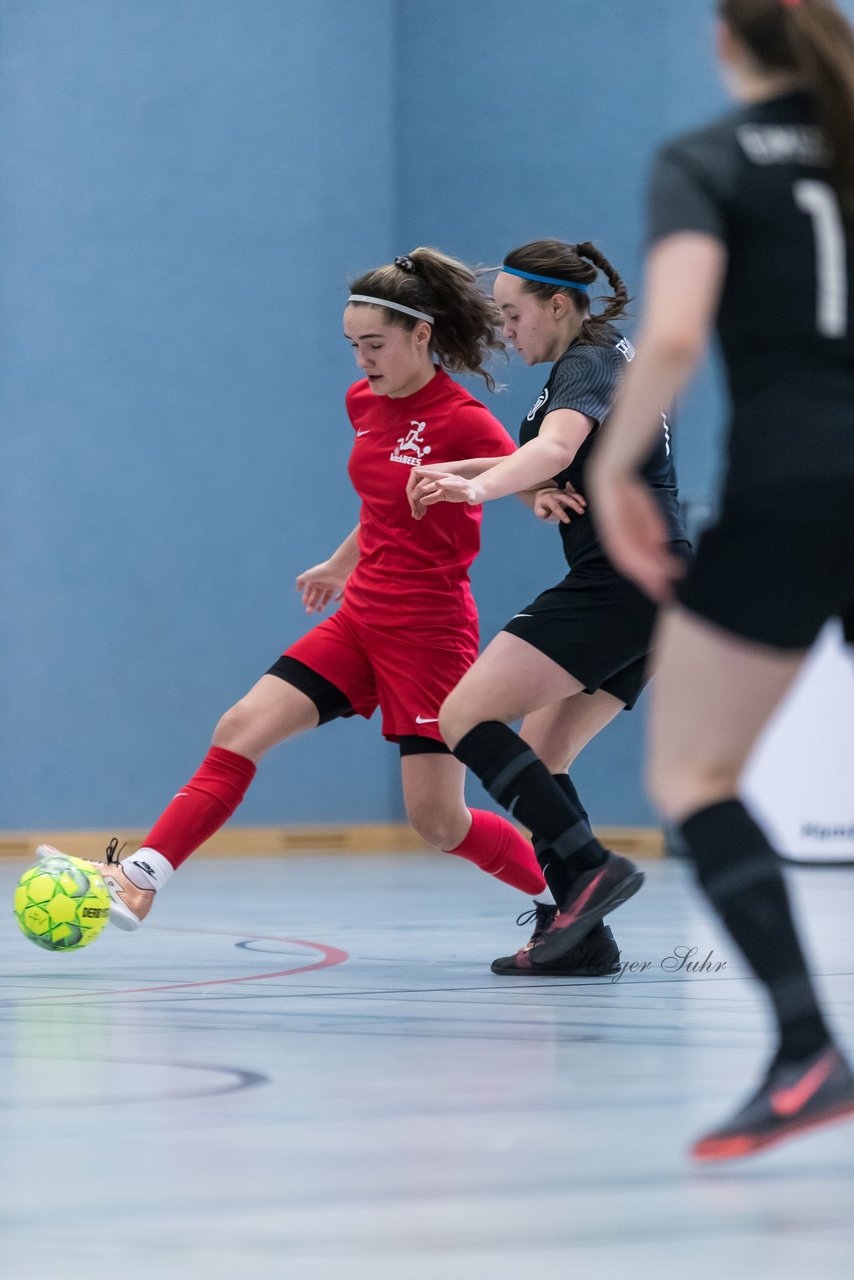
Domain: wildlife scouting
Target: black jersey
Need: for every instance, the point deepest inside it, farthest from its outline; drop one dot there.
(757, 180)
(585, 378)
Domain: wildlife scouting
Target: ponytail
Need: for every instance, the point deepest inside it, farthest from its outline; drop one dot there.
(465, 321)
(580, 263)
(812, 40)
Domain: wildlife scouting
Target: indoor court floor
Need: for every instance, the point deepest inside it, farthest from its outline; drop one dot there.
(305, 1069)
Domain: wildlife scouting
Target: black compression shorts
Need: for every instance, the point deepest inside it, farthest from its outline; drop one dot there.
(777, 564)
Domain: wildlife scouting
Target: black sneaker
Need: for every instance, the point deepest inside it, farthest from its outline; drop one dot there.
(596, 955)
(594, 893)
(794, 1097)
(542, 913)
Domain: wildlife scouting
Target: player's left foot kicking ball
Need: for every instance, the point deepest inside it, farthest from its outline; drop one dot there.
(593, 894)
(793, 1098)
(129, 905)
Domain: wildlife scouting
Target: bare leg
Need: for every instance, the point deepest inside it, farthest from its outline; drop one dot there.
(509, 680)
(270, 712)
(433, 791)
(560, 732)
(712, 697)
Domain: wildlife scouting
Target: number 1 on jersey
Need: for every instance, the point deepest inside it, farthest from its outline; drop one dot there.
(820, 202)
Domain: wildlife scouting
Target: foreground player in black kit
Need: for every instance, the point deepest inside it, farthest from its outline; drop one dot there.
(752, 222)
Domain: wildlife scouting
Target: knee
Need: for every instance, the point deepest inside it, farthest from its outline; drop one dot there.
(237, 731)
(439, 827)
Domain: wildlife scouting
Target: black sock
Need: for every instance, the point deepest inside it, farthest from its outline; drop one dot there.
(518, 780)
(539, 842)
(567, 786)
(739, 872)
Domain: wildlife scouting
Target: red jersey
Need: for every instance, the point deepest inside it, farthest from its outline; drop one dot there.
(415, 570)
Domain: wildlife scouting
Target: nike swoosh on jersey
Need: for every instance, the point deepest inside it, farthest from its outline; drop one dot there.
(785, 1102)
(363, 433)
(522, 615)
(426, 720)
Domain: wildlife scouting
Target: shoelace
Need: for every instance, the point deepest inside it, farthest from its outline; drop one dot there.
(113, 851)
(542, 914)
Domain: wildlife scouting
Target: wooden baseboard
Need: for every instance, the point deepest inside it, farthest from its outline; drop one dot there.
(276, 842)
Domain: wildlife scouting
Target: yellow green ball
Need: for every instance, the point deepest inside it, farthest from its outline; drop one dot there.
(61, 903)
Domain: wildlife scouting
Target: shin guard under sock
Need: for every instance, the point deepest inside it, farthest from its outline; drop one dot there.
(202, 806)
(497, 847)
(567, 786)
(739, 873)
(512, 773)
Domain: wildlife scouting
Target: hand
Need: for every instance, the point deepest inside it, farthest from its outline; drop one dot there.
(440, 486)
(633, 532)
(320, 585)
(415, 489)
(552, 505)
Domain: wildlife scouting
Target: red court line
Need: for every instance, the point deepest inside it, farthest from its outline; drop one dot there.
(331, 956)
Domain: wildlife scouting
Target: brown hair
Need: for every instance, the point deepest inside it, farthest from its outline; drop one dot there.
(466, 321)
(579, 262)
(815, 42)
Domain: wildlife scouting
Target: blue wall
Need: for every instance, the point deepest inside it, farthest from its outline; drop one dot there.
(186, 186)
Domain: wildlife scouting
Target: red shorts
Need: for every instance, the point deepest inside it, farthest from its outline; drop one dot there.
(407, 673)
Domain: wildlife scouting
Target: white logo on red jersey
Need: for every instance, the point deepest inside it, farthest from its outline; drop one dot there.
(411, 447)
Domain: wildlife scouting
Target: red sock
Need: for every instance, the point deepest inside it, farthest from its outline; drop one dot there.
(497, 847)
(202, 806)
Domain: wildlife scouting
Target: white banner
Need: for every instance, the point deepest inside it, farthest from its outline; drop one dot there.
(800, 780)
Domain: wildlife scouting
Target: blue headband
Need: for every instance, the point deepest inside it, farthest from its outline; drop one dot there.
(529, 275)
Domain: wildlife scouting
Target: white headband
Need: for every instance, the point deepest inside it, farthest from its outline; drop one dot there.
(395, 306)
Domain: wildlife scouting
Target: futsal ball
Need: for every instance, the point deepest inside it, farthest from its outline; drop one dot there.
(61, 903)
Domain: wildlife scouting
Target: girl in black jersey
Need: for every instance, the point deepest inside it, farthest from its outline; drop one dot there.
(752, 227)
(576, 656)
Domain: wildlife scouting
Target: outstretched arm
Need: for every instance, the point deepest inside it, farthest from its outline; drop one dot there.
(531, 467)
(468, 467)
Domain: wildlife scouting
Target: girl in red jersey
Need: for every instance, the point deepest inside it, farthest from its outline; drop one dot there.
(407, 628)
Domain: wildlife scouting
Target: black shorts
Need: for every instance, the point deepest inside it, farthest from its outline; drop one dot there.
(777, 564)
(597, 626)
